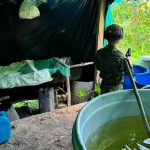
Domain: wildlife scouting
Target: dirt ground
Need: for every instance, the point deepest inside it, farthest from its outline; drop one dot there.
(47, 131)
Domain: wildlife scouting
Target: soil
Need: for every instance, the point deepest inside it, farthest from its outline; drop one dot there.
(47, 131)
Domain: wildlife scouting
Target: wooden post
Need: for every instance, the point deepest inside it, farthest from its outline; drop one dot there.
(68, 92)
(101, 24)
(100, 31)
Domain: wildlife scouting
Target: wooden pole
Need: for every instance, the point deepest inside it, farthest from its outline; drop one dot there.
(82, 64)
(4, 98)
(100, 31)
(101, 24)
(68, 91)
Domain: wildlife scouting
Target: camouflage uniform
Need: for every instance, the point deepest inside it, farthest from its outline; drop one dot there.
(110, 62)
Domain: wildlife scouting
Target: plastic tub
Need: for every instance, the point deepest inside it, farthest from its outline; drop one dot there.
(137, 70)
(142, 80)
(103, 109)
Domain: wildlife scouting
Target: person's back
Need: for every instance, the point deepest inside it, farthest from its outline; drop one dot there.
(110, 61)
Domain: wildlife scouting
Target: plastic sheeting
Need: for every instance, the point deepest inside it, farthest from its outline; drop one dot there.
(109, 17)
(66, 28)
(31, 73)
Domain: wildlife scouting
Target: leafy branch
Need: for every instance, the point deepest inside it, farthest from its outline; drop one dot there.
(82, 94)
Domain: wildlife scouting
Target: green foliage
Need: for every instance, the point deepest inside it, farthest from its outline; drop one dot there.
(81, 92)
(97, 89)
(33, 104)
(134, 18)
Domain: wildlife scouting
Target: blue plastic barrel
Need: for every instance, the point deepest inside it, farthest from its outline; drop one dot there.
(5, 128)
(142, 80)
(137, 70)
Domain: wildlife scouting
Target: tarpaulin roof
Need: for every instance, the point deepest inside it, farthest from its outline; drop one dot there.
(65, 28)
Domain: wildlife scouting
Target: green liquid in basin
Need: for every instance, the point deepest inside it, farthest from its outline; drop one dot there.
(127, 133)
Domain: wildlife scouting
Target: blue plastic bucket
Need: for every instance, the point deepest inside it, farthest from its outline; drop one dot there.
(137, 70)
(103, 109)
(142, 80)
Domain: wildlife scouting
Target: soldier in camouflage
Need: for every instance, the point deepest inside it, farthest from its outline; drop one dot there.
(110, 61)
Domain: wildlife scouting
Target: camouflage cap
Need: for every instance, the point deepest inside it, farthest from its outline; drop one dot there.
(113, 32)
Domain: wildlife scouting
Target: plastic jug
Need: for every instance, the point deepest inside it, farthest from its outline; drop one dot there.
(5, 127)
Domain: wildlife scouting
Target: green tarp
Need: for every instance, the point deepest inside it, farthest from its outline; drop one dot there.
(30, 73)
(109, 17)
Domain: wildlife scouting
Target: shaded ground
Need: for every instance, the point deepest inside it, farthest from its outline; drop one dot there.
(47, 131)
(31, 107)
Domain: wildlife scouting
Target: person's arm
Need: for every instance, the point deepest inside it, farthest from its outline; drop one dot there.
(97, 60)
(97, 66)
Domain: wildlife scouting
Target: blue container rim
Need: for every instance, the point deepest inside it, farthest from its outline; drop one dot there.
(146, 70)
(137, 76)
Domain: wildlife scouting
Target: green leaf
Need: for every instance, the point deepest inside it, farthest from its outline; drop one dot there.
(97, 89)
(81, 92)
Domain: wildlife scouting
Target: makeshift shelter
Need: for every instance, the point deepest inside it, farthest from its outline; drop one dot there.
(65, 28)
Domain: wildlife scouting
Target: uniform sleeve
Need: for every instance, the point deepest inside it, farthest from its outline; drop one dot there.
(97, 60)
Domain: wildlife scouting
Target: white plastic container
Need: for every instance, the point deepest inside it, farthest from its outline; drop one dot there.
(145, 61)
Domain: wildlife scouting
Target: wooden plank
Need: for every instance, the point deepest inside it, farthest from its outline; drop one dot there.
(81, 64)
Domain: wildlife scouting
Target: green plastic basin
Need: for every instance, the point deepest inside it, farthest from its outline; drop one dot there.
(103, 109)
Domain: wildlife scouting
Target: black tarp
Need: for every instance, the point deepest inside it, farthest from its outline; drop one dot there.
(66, 28)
